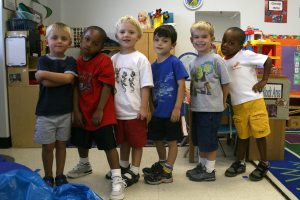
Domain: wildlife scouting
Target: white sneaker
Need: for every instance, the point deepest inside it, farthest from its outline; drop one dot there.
(117, 188)
(80, 170)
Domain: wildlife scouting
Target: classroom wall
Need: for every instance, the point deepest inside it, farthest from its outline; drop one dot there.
(78, 13)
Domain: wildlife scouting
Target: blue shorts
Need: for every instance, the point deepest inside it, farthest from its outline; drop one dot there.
(205, 127)
(164, 129)
(104, 138)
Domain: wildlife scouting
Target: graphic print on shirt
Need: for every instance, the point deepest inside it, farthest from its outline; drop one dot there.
(125, 77)
(200, 77)
(85, 81)
(163, 89)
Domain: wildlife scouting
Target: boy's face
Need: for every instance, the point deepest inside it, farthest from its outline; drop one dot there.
(162, 45)
(127, 35)
(231, 43)
(58, 42)
(91, 43)
(201, 41)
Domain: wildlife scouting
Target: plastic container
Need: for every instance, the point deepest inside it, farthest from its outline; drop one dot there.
(28, 15)
(16, 24)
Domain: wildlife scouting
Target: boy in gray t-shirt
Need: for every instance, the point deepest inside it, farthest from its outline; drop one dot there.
(209, 91)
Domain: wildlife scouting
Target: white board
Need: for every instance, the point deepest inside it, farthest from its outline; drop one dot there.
(15, 51)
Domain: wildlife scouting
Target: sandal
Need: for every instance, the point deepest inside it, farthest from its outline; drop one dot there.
(49, 180)
(130, 178)
(235, 169)
(60, 180)
(260, 171)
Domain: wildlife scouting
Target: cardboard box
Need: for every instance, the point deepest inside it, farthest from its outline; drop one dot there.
(293, 122)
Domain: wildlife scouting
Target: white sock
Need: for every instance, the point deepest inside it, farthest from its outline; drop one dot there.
(210, 165)
(135, 169)
(202, 161)
(84, 160)
(115, 173)
(124, 163)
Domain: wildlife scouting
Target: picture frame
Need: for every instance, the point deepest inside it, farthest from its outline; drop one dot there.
(10, 5)
(193, 4)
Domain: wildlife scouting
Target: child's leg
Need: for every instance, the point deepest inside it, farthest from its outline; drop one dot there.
(210, 162)
(124, 155)
(161, 150)
(113, 158)
(262, 148)
(60, 154)
(137, 156)
(243, 145)
(172, 154)
(47, 156)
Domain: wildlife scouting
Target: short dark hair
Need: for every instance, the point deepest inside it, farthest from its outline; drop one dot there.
(166, 31)
(100, 30)
(240, 32)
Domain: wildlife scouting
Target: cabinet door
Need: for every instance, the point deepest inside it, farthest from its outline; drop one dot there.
(152, 55)
(142, 45)
(22, 103)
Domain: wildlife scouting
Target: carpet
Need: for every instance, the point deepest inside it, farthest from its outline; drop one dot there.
(285, 174)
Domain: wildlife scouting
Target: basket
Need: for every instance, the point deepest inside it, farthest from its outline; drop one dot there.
(16, 24)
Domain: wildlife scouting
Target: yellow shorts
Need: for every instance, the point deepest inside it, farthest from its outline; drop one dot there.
(251, 119)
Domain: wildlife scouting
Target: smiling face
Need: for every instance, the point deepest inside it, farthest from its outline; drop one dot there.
(127, 36)
(232, 42)
(58, 42)
(163, 45)
(201, 40)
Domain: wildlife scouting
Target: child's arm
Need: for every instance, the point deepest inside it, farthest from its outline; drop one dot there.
(267, 69)
(78, 118)
(175, 117)
(145, 93)
(54, 79)
(225, 90)
(104, 96)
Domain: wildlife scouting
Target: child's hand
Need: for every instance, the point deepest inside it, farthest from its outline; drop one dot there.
(143, 114)
(97, 117)
(38, 75)
(175, 117)
(78, 119)
(258, 87)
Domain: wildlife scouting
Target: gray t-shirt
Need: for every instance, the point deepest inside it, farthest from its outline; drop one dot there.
(208, 72)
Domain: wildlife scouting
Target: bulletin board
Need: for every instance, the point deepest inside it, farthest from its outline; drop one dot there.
(289, 59)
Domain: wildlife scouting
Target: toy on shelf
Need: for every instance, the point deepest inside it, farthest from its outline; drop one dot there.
(144, 20)
(255, 42)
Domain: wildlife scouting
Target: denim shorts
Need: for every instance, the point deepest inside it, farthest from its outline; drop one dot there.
(205, 127)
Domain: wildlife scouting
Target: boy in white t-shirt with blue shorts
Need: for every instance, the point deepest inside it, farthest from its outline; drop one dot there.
(250, 114)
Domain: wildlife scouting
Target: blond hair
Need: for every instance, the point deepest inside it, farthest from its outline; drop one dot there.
(130, 20)
(58, 26)
(204, 25)
(147, 23)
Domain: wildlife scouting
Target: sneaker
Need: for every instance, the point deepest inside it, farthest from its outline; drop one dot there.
(198, 169)
(156, 179)
(235, 169)
(80, 170)
(203, 176)
(60, 180)
(130, 178)
(156, 168)
(49, 180)
(117, 188)
(123, 171)
(260, 171)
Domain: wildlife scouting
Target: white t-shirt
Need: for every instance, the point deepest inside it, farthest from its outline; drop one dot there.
(241, 69)
(132, 72)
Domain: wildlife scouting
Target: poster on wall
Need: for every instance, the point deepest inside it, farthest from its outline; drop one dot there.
(297, 68)
(276, 11)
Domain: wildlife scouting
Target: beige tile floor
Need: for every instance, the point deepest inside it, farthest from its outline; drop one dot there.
(237, 188)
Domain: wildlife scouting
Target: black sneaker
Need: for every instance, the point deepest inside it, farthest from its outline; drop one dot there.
(49, 180)
(260, 171)
(196, 170)
(156, 168)
(60, 180)
(130, 178)
(158, 178)
(203, 176)
(235, 169)
(123, 171)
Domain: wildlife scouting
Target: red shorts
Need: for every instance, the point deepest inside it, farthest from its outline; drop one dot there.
(133, 132)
